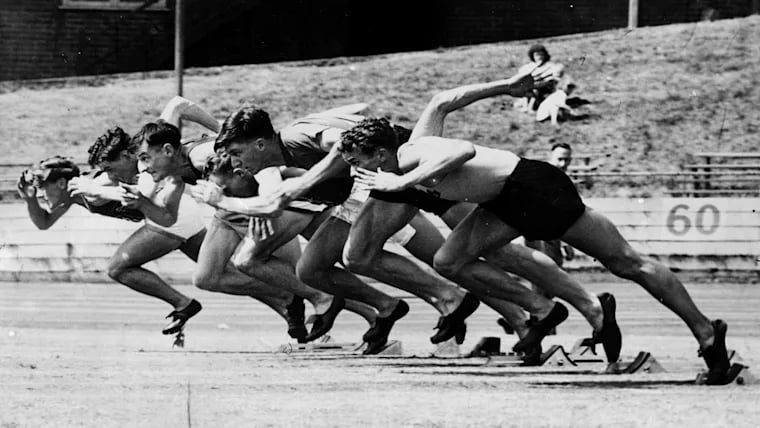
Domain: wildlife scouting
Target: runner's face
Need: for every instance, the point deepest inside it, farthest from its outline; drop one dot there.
(123, 168)
(245, 154)
(357, 159)
(561, 158)
(54, 192)
(240, 184)
(156, 159)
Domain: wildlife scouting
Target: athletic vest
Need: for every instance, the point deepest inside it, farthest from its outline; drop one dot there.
(301, 149)
(189, 173)
(111, 208)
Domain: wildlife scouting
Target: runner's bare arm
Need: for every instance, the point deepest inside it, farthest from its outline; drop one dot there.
(330, 166)
(43, 219)
(180, 108)
(211, 194)
(163, 207)
(432, 118)
(423, 162)
(97, 190)
(259, 206)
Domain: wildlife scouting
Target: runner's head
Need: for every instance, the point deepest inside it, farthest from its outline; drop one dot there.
(248, 136)
(236, 182)
(371, 144)
(159, 148)
(114, 154)
(51, 176)
(562, 156)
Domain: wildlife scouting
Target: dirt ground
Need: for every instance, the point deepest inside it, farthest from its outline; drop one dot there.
(92, 355)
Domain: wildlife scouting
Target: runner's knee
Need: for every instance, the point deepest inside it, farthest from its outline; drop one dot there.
(116, 269)
(244, 263)
(447, 264)
(308, 272)
(205, 280)
(358, 261)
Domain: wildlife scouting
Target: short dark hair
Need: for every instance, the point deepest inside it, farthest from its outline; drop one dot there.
(53, 168)
(158, 133)
(369, 135)
(561, 146)
(221, 164)
(538, 48)
(246, 123)
(108, 146)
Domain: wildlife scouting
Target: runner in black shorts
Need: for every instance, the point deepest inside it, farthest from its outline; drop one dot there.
(460, 170)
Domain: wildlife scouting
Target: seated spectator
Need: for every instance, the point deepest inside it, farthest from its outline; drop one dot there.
(546, 74)
(555, 106)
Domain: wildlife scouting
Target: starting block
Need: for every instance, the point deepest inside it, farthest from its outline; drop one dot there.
(738, 374)
(556, 356)
(325, 344)
(447, 349)
(487, 347)
(643, 363)
(584, 351)
(179, 340)
(392, 348)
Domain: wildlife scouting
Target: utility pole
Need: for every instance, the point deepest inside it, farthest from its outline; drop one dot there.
(633, 14)
(179, 44)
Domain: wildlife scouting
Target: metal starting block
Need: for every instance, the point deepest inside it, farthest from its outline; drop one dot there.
(738, 374)
(179, 340)
(392, 348)
(487, 347)
(584, 351)
(326, 345)
(644, 362)
(447, 349)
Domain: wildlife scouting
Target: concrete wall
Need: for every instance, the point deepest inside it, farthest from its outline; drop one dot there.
(707, 237)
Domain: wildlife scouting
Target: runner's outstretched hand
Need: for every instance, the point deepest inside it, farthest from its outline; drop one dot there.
(380, 180)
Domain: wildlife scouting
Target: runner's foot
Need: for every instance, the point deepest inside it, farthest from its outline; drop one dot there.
(610, 336)
(383, 325)
(324, 322)
(294, 313)
(452, 325)
(530, 345)
(716, 356)
(181, 316)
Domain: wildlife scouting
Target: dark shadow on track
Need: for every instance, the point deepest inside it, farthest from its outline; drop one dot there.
(614, 384)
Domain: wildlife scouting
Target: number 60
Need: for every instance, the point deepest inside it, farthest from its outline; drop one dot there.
(679, 223)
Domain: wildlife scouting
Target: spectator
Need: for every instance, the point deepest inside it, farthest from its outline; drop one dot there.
(546, 75)
(555, 106)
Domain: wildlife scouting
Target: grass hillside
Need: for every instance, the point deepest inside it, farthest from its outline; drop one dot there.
(658, 94)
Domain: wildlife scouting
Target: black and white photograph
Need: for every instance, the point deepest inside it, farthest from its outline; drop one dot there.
(342, 213)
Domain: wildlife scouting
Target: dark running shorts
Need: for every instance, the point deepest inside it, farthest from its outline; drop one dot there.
(426, 201)
(538, 200)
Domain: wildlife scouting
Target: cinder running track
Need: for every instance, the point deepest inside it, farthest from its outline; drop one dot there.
(92, 355)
